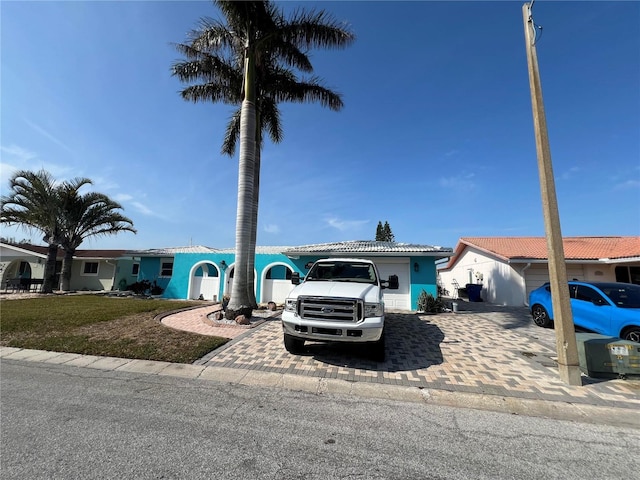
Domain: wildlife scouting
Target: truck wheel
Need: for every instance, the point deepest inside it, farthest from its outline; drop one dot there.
(378, 349)
(292, 344)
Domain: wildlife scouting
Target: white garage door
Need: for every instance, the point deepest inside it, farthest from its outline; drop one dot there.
(538, 274)
(396, 299)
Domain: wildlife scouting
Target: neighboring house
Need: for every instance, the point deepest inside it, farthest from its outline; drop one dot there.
(95, 270)
(202, 272)
(510, 267)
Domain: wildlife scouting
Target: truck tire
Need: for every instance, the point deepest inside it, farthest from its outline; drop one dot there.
(378, 349)
(293, 345)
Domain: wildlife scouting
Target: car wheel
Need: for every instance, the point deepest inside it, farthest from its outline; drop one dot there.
(540, 316)
(632, 334)
(293, 345)
(378, 349)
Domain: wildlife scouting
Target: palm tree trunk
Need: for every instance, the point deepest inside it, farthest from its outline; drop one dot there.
(50, 269)
(66, 270)
(240, 304)
(251, 292)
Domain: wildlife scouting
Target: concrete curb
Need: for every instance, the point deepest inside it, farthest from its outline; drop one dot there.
(612, 416)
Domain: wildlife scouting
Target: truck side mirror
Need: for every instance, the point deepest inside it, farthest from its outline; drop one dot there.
(295, 278)
(393, 282)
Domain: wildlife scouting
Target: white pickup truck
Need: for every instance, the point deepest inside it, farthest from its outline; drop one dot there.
(340, 300)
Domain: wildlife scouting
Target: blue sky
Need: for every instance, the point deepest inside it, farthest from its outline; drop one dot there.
(436, 136)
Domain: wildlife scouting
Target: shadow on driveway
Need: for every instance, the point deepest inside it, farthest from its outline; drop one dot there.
(411, 344)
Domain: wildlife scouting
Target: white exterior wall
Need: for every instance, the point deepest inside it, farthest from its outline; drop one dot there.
(511, 283)
(599, 272)
(9, 268)
(508, 284)
(10, 264)
(501, 283)
(102, 281)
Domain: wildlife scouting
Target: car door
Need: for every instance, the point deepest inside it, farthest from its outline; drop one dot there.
(590, 309)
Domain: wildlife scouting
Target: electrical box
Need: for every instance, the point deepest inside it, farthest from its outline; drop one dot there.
(601, 356)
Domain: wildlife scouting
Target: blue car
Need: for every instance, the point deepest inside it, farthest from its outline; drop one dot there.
(611, 309)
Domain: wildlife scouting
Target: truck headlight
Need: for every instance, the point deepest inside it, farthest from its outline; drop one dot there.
(373, 309)
(290, 304)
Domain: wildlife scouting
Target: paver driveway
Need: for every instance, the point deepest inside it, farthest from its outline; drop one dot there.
(489, 350)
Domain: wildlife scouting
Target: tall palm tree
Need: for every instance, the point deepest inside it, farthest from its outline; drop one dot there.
(273, 84)
(257, 36)
(33, 204)
(82, 216)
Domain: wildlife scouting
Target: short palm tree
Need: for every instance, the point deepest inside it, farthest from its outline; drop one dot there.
(82, 216)
(65, 217)
(258, 39)
(33, 204)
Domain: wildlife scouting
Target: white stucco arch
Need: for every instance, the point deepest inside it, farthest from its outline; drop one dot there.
(206, 285)
(228, 279)
(275, 290)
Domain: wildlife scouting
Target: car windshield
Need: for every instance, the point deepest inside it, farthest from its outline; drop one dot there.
(341, 271)
(623, 295)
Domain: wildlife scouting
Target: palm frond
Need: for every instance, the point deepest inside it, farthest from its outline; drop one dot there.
(312, 28)
(210, 92)
(231, 135)
(270, 119)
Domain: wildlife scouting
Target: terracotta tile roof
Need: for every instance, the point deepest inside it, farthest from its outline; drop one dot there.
(535, 248)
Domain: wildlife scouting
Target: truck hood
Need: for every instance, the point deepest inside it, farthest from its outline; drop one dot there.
(364, 291)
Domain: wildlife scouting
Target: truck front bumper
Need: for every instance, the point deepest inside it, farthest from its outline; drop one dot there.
(368, 330)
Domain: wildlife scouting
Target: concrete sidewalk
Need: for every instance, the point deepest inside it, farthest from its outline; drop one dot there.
(483, 357)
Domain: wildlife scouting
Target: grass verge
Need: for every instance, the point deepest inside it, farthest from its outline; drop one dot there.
(100, 325)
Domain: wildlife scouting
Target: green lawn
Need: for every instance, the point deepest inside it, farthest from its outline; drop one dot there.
(100, 325)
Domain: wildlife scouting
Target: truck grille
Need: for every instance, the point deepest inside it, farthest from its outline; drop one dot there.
(330, 309)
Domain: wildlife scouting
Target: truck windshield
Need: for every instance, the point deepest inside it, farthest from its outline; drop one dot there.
(343, 271)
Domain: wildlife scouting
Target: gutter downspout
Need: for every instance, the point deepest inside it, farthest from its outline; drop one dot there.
(524, 284)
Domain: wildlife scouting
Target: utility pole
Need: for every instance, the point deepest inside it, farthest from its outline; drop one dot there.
(566, 347)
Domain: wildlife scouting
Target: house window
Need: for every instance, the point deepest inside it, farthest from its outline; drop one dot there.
(166, 267)
(627, 274)
(135, 268)
(90, 268)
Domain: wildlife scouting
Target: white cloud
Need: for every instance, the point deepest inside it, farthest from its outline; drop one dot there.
(629, 184)
(123, 197)
(48, 135)
(142, 208)
(272, 228)
(460, 182)
(18, 153)
(104, 183)
(570, 173)
(13, 159)
(344, 225)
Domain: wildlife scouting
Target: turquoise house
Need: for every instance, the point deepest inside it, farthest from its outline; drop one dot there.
(199, 272)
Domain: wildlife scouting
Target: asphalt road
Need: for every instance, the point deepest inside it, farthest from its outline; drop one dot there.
(63, 422)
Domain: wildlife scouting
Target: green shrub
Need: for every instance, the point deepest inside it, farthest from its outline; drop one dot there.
(429, 304)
